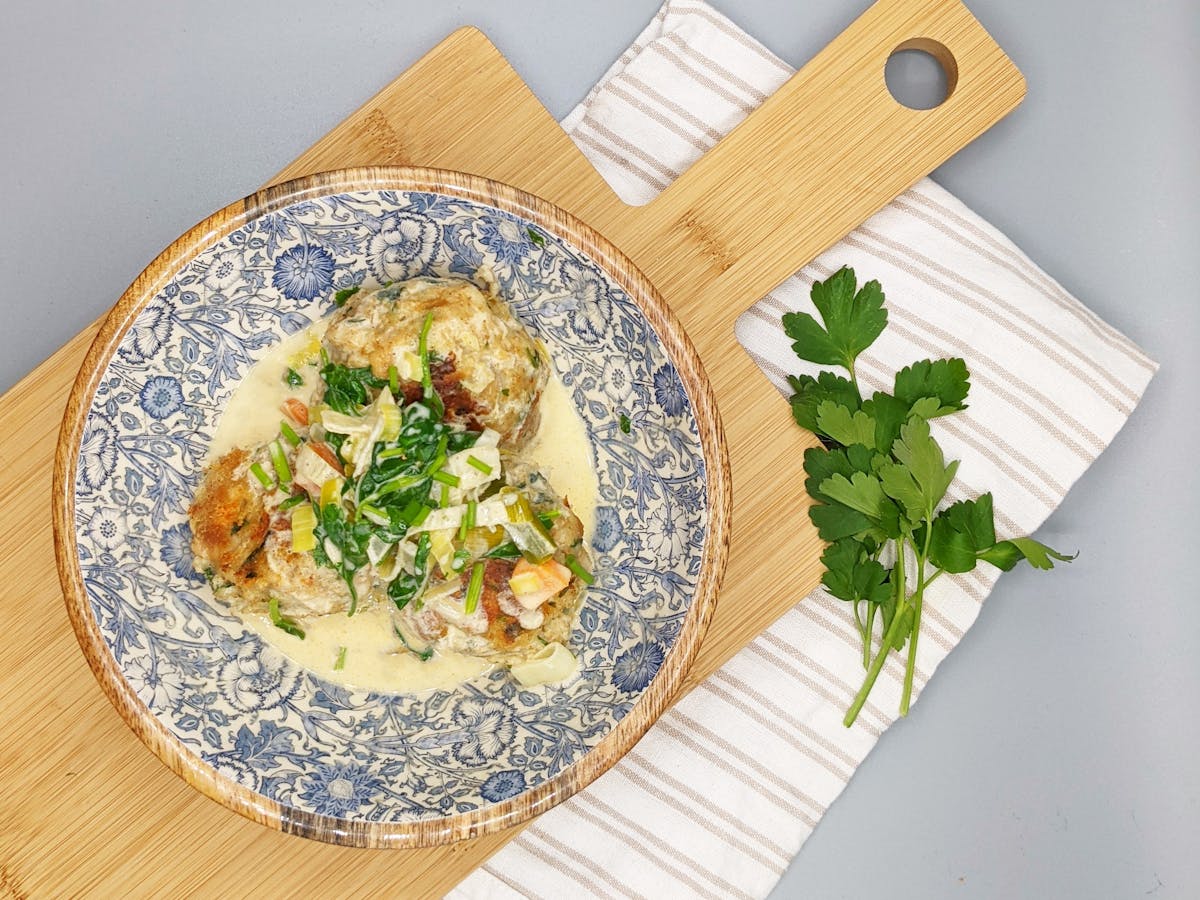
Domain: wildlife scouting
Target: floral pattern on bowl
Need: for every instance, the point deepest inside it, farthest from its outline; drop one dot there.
(251, 714)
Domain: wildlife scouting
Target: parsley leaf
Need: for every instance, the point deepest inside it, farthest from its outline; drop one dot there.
(923, 457)
(810, 392)
(1007, 554)
(880, 476)
(851, 574)
(860, 491)
(844, 426)
(822, 464)
(889, 414)
(960, 533)
(835, 521)
(853, 320)
(947, 380)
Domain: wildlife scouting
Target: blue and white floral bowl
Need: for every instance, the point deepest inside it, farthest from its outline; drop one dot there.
(243, 723)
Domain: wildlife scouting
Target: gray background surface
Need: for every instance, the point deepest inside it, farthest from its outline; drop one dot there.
(1055, 753)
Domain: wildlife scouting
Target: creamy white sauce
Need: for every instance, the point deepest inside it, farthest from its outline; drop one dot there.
(374, 658)
(562, 452)
(254, 413)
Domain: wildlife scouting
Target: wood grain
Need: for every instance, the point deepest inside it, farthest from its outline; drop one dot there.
(85, 808)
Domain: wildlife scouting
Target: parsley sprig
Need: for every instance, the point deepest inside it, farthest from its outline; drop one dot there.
(879, 478)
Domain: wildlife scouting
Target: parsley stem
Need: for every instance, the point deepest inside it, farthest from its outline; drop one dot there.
(917, 601)
(870, 630)
(889, 639)
(853, 376)
(876, 665)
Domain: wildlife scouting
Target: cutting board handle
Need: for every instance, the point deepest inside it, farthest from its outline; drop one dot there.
(821, 155)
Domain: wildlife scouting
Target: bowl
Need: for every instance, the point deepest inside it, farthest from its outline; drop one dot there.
(243, 723)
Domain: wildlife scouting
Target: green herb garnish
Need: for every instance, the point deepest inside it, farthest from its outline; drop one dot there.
(282, 622)
(423, 353)
(535, 237)
(624, 422)
(293, 378)
(294, 500)
(289, 433)
(279, 461)
(474, 588)
(347, 389)
(577, 567)
(409, 585)
(880, 478)
(340, 297)
(264, 479)
(447, 478)
(340, 662)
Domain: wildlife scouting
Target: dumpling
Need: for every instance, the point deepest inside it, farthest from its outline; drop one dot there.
(487, 369)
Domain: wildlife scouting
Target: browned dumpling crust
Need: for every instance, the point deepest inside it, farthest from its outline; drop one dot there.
(486, 367)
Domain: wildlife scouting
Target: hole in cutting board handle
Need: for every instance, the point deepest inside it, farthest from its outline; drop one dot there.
(921, 74)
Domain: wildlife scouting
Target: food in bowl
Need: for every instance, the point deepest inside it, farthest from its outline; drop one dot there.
(402, 493)
(193, 363)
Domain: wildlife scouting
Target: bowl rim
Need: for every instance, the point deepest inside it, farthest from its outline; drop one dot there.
(657, 695)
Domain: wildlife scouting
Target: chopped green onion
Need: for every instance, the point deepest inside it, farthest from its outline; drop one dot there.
(423, 352)
(340, 662)
(394, 380)
(391, 453)
(447, 478)
(279, 461)
(460, 559)
(445, 496)
(469, 518)
(474, 588)
(289, 433)
(263, 478)
(577, 567)
(370, 509)
(294, 500)
(281, 622)
(476, 463)
(293, 378)
(420, 516)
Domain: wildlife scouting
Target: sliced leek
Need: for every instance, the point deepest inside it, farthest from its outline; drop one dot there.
(304, 523)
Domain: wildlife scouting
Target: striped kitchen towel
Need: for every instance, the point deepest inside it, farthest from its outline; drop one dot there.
(707, 811)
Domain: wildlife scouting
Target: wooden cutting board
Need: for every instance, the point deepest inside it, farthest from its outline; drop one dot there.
(85, 808)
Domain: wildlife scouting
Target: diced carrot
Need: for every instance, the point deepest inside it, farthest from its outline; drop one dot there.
(326, 453)
(296, 410)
